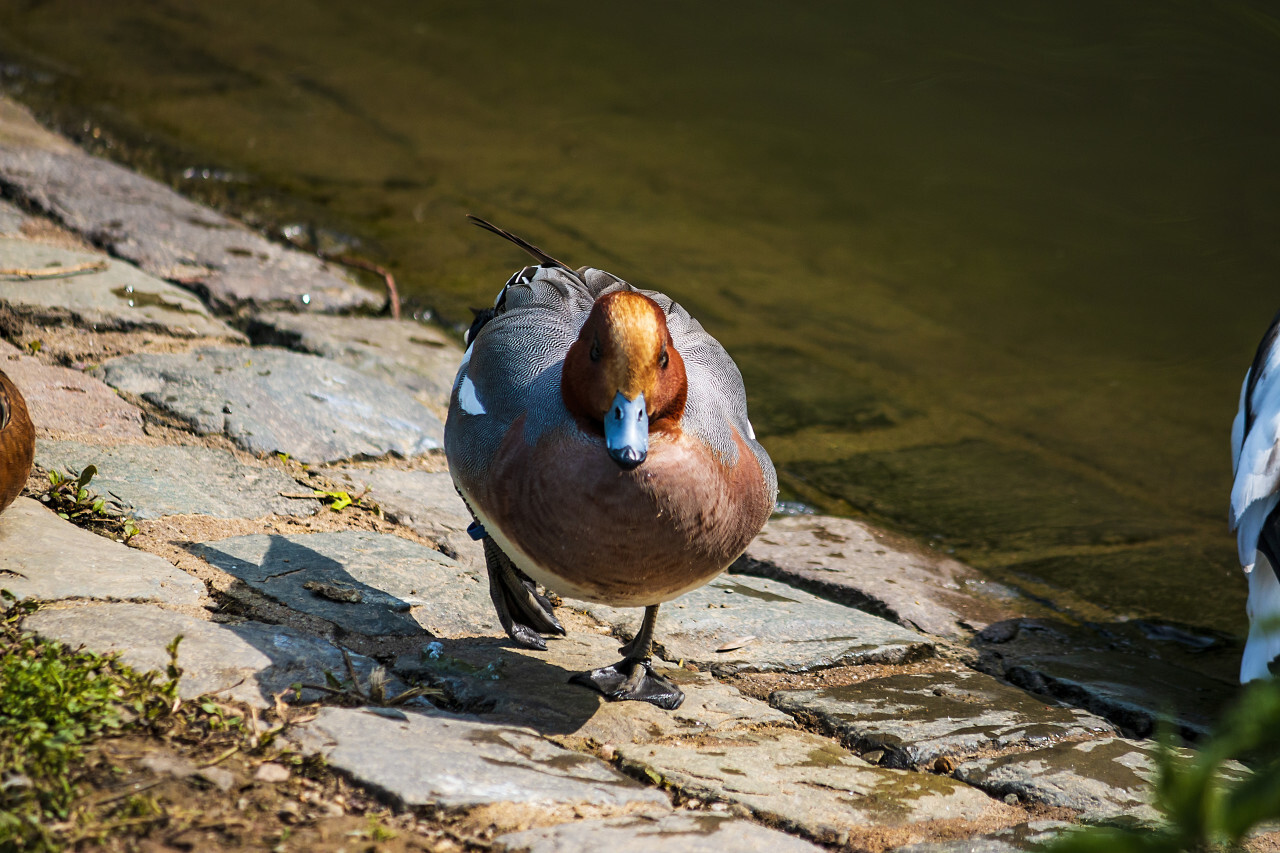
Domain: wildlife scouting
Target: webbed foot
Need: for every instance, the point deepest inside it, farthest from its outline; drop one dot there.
(632, 679)
(525, 613)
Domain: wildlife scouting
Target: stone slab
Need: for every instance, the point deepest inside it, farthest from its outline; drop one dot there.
(424, 501)
(271, 400)
(44, 557)
(1116, 671)
(792, 630)
(396, 587)
(119, 297)
(145, 222)
(1019, 839)
(452, 762)
(67, 402)
(913, 718)
(683, 832)
(246, 661)
(514, 685)
(176, 480)
(11, 219)
(1103, 779)
(806, 784)
(855, 564)
(403, 353)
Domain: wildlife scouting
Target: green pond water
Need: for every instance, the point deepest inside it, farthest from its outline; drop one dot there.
(992, 271)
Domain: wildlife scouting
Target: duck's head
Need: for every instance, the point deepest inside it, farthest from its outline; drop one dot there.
(623, 375)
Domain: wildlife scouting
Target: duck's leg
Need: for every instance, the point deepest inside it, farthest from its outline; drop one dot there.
(525, 613)
(633, 676)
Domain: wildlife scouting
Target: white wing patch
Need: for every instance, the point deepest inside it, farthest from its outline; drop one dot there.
(467, 398)
(751, 431)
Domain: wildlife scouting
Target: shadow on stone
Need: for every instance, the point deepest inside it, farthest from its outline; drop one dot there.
(302, 578)
(373, 584)
(494, 678)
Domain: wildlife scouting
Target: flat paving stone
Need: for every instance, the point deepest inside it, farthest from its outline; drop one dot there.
(403, 353)
(913, 718)
(969, 845)
(271, 400)
(45, 557)
(424, 501)
(119, 297)
(245, 661)
(371, 583)
(67, 402)
(683, 832)
(807, 784)
(850, 562)
(531, 688)
(452, 762)
(168, 236)
(789, 629)
(1101, 778)
(176, 480)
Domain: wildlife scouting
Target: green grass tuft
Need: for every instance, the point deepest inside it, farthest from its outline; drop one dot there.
(56, 701)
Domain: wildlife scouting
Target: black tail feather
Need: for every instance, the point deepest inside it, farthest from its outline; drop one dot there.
(533, 250)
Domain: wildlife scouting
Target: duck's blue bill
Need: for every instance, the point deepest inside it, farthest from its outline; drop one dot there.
(626, 431)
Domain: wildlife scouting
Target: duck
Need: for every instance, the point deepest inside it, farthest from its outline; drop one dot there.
(1255, 502)
(599, 436)
(17, 442)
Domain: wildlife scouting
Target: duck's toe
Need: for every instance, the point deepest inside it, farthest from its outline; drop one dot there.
(632, 680)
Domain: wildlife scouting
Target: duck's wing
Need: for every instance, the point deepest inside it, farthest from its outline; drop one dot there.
(1255, 445)
(511, 369)
(717, 396)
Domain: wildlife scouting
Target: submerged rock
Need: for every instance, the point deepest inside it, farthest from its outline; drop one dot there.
(914, 718)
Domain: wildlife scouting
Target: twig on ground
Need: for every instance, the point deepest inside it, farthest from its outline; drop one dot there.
(393, 293)
(57, 272)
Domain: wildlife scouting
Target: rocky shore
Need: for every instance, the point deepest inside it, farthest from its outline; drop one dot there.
(845, 688)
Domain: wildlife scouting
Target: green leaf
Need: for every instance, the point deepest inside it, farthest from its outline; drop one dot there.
(86, 475)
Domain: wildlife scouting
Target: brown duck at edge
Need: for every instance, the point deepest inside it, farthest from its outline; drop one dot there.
(17, 442)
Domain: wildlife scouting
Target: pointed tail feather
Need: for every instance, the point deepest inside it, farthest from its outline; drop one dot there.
(522, 243)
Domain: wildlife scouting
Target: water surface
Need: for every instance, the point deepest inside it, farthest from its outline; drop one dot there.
(992, 271)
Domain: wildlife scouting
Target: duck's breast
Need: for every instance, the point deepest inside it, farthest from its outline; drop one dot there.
(576, 522)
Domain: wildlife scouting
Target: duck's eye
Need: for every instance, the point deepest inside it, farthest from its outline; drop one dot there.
(662, 358)
(595, 349)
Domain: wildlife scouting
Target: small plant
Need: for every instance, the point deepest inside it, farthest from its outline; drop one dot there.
(70, 498)
(55, 702)
(1202, 811)
(350, 691)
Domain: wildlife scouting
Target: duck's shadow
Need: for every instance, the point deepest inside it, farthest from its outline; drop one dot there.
(486, 675)
(492, 677)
